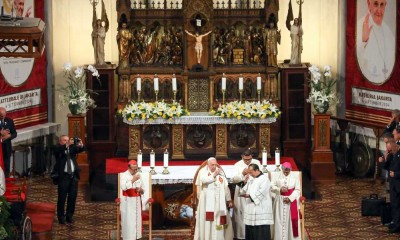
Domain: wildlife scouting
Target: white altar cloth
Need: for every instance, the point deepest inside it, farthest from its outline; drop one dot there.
(200, 120)
(185, 174)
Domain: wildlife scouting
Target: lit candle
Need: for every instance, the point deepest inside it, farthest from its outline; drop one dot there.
(139, 159)
(173, 83)
(241, 82)
(155, 83)
(152, 159)
(223, 82)
(138, 83)
(259, 82)
(166, 158)
(264, 157)
(277, 157)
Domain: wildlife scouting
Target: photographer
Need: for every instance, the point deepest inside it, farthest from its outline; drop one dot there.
(66, 175)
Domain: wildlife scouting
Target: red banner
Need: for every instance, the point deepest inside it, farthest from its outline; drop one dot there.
(23, 84)
(372, 59)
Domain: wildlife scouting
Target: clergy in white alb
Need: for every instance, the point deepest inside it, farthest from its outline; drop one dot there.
(241, 168)
(286, 186)
(213, 221)
(258, 214)
(375, 42)
(132, 187)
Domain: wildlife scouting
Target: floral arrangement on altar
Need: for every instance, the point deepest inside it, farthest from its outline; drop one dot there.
(75, 94)
(247, 109)
(153, 110)
(322, 94)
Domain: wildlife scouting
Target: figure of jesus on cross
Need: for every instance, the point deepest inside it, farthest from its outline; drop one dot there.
(199, 45)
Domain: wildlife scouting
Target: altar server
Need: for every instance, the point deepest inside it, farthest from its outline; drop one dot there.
(286, 187)
(212, 217)
(131, 206)
(242, 172)
(258, 214)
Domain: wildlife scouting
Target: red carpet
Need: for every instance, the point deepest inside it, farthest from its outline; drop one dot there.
(117, 165)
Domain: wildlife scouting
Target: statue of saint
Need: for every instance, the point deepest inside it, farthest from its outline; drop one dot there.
(296, 34)
(273, 37)
(124, 39)
(100, 28)
(199, 45)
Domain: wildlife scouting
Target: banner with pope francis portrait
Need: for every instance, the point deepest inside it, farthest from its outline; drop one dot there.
(372, 64)
(23, 84)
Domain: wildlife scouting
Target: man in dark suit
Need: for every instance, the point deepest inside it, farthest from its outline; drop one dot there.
(8, 133)
(66, 175)
(393, 158)
(393, 122)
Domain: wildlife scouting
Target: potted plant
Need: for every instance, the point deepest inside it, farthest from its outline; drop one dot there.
(322, 95)
(75, 94)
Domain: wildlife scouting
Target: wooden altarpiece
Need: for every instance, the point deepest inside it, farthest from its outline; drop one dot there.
(159, 38)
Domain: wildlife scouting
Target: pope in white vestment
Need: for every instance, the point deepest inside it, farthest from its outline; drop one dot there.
(258, 214)
(286, 187)
(375, 44)
(241, 168)
(213, 221)
(130, 202)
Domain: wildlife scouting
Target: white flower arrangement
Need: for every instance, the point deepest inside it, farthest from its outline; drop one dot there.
(75, 92)
(322, 89)
(239, 110)
(151, 111)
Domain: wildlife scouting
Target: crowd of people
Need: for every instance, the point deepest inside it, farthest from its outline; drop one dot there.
(391, 163)
(264, 206)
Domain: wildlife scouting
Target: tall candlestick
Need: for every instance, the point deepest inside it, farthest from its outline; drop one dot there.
(264, 157)
(140, 159)
(166, 158)
(277, 157)
(241, 82)
(152, 162)
(258, 82)
(138, 83)
(173, 82)
(264, 160)
(165, 171)
(223, 82)
(152, 159)
(155, 83)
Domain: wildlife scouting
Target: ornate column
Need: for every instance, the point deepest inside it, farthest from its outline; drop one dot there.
(322, 165)
(221, 141)
(134, 141)
(264, 140)
(177, 142)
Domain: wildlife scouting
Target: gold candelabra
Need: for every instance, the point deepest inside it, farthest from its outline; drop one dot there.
(240, 94)
(156, 91)
(174, 95)
(138, 95)
(259, 95)
(223, 96)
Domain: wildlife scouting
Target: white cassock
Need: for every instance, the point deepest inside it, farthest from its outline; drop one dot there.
(283, 228)
(131, 207)
(2, 181)
(258, 209)
(213, 221)
(376, 57)
(240, 202)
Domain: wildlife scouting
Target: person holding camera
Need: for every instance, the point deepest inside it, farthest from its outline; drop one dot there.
(66, 175)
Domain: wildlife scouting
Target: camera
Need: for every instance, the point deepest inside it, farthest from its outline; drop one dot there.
(77, 140)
